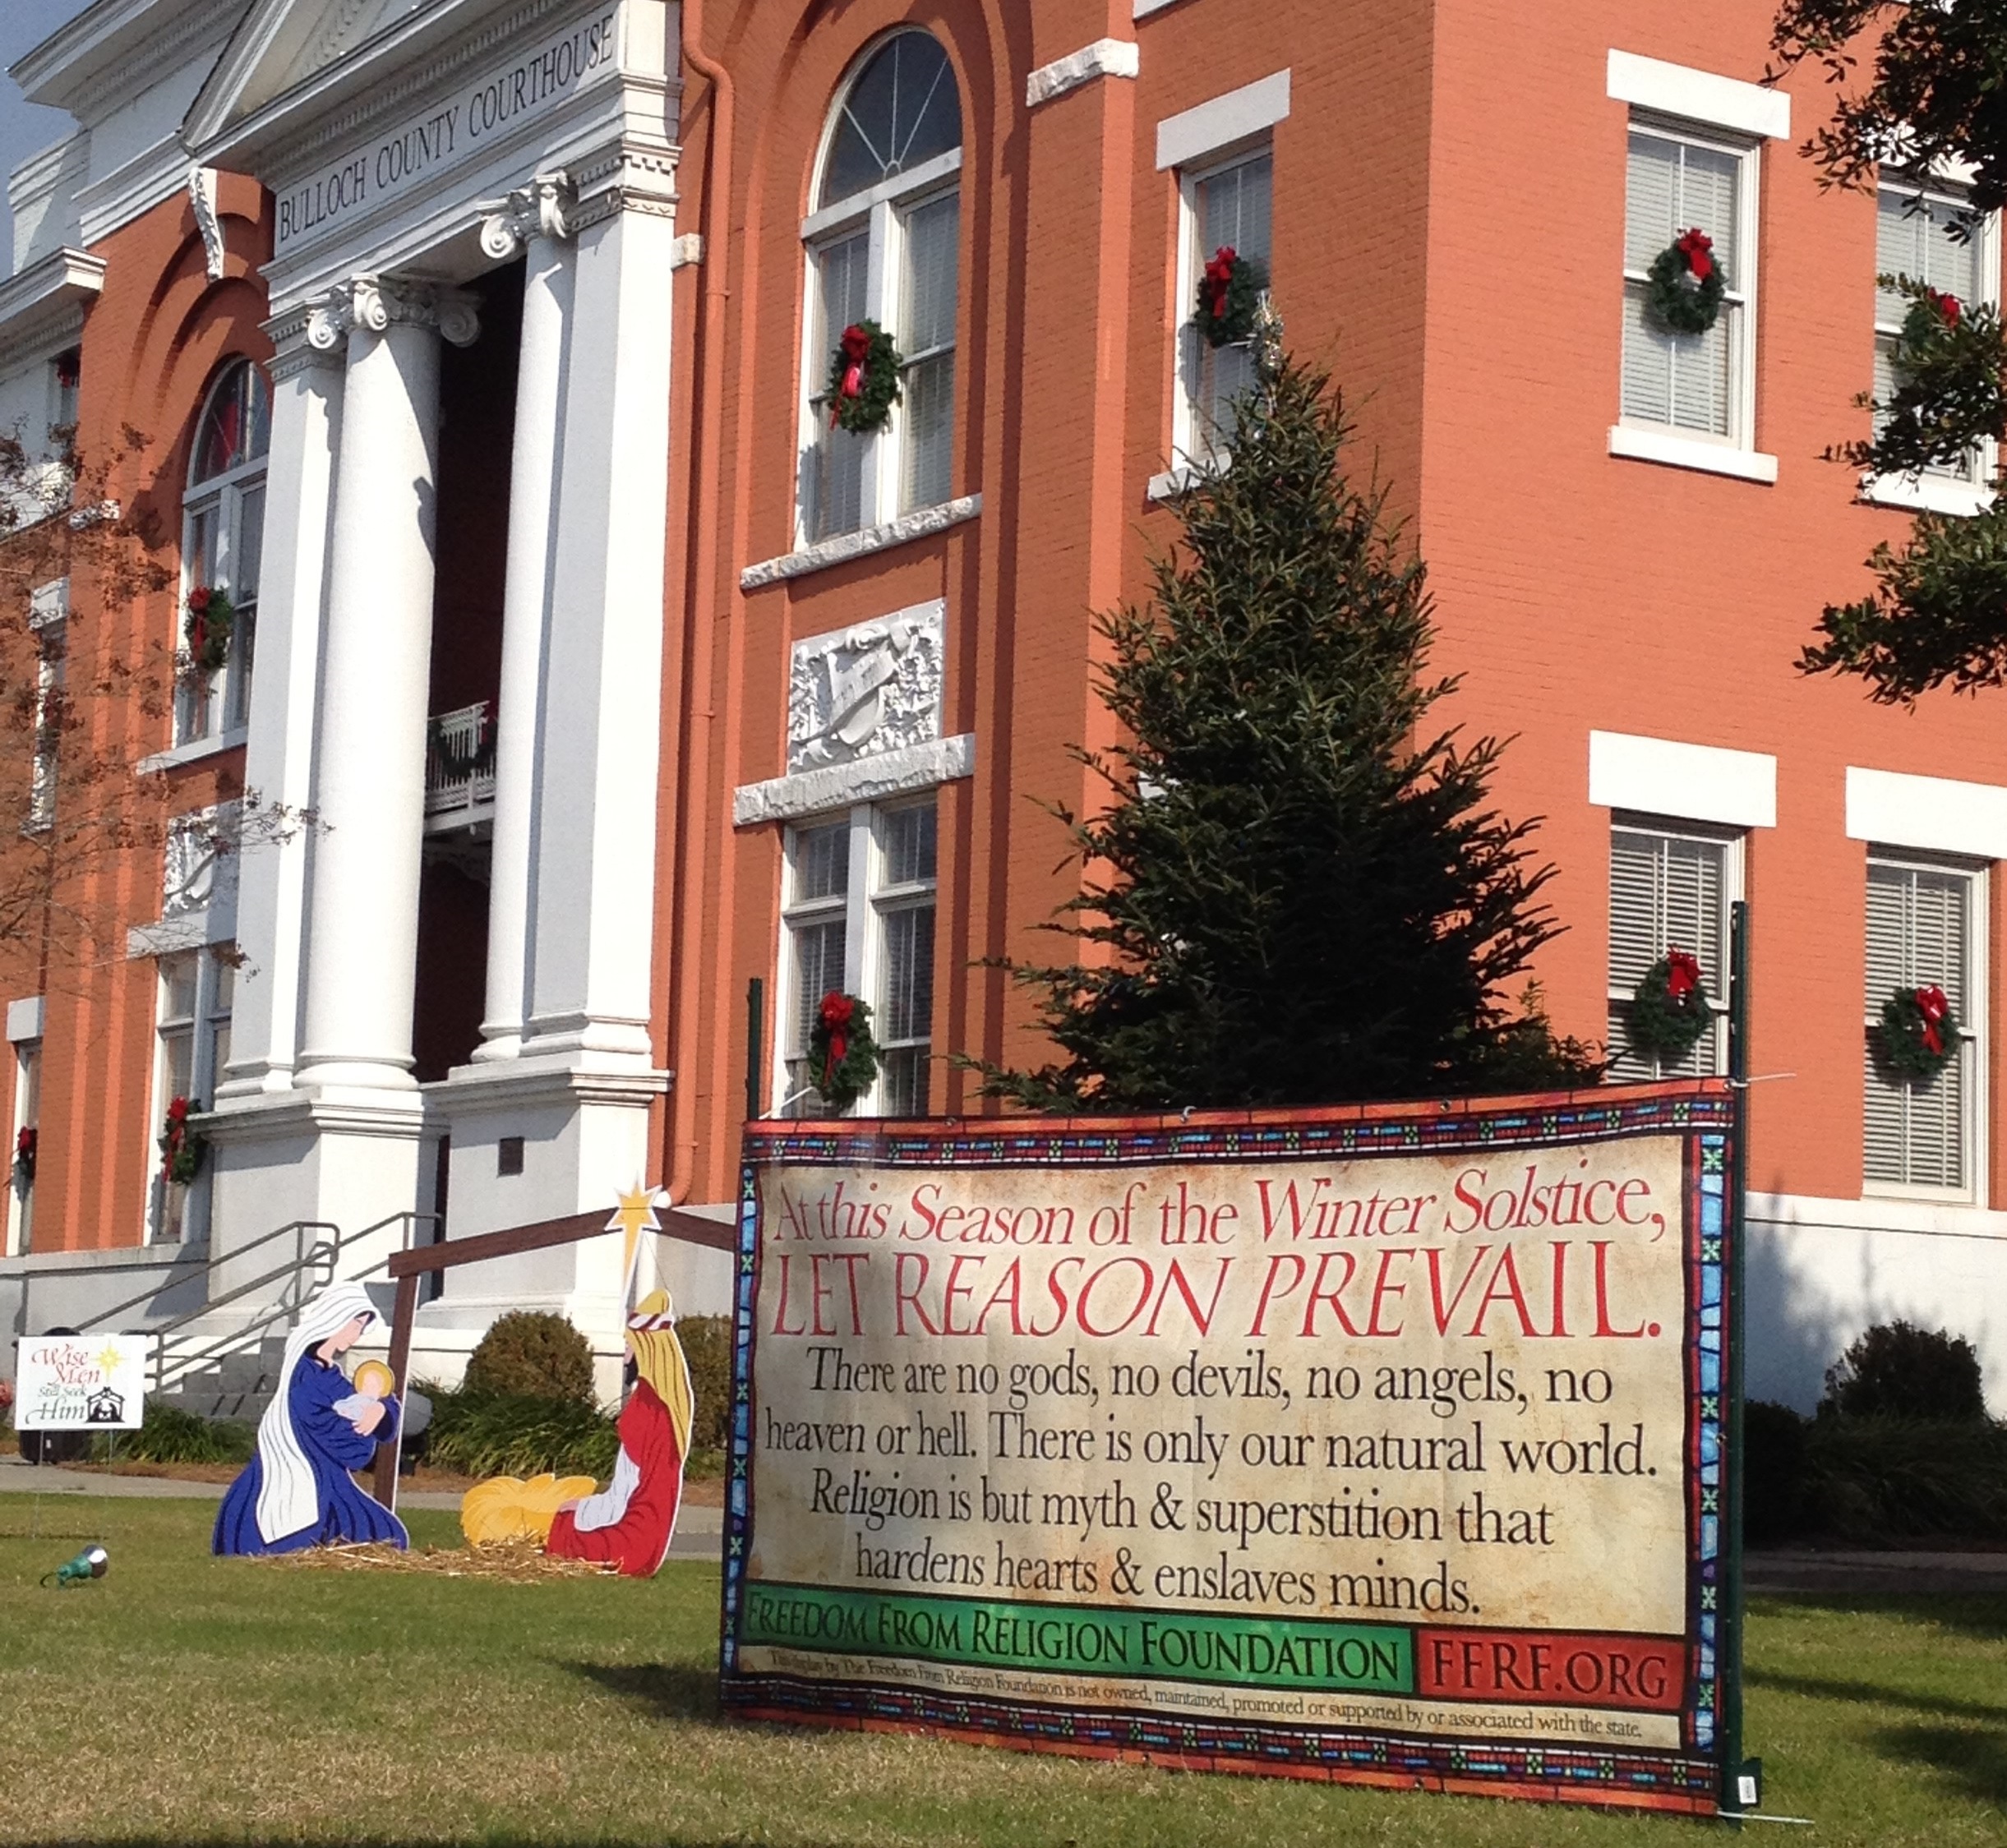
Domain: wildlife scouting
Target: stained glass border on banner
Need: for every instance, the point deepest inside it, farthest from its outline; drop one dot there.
(1687, 1781)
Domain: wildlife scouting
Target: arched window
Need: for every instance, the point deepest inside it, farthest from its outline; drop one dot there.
(884, 239)
(222, 529)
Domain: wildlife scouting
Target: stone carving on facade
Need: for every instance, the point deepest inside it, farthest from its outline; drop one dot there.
(545, 208)
(861, 692)
(201, 860)
(202, 201)
(374, 302)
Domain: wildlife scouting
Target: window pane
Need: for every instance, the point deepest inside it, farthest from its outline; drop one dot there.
(1678, 378)
(177, 1062)
(819, 967)
(907, 1012)
(244, 554)
(822, 862)
(1233, 210)
(1918, 922)
(909, 835)
(178, 987)
(236, 426)
(902, 110)
(1681, 379)
(1667, 892)
(927, 468)
(201, 554)
(842, 270)
(225, 982)
(904, 1082)
(932, 240)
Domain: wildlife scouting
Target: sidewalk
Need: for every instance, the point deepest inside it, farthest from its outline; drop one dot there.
(1805, 1568)
(698, 1531)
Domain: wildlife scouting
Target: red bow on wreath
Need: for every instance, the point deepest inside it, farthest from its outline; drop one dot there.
(1682, 974)
(856, 345)
(24, 1143)
(1698, 249)
(1219, 279)
(198, 629)
(1934, 1006)
(1948, 306)
(836, 1013)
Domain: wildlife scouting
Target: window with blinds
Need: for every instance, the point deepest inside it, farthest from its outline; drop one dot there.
(1228, 206)
(1931, 237)
(858, 917)
(884, 245)
(1923, 927)
(1669, 890)
(1695, 383)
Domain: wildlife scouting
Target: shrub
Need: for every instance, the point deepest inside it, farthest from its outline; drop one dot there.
(173, 1435)
(1775, 1505)
(1877, 1479)
(530, 1354)
(1898, 1370)
(706, 1346)
(519, 1434)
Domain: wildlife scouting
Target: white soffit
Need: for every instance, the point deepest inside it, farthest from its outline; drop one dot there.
(1675, 90)
(1224, 121)
(1932, 812)
(1690, 782)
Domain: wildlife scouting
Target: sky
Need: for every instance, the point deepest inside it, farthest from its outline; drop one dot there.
(24, 25)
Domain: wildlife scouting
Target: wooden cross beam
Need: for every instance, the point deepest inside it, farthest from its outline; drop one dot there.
(424, 1261)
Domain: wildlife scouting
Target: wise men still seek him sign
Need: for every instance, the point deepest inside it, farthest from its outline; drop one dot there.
(1386, 1446)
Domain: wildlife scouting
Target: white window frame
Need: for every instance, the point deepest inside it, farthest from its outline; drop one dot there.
(27, 1115)
(1972, 1035)
(1193, 450)
(868, 899)
(215, 971)
(881, 212)
(1663, 442)
(1734, 842)
(221, 703)
(1942, 493)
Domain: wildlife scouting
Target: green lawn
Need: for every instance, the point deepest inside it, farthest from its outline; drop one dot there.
(184, 1699)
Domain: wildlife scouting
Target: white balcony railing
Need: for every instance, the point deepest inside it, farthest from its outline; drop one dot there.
(459, 760)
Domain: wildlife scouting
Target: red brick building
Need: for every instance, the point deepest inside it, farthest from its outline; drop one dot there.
(615, 681)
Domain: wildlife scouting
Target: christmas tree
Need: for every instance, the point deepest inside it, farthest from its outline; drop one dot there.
(1296, 894)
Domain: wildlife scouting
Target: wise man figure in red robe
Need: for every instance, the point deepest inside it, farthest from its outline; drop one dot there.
(630, 1522)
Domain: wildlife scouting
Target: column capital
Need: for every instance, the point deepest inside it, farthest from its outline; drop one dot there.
(545, 208)
(294, 349)
(629, 175)
(376, 303)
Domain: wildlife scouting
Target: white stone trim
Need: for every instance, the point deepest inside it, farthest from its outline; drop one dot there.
(45, 304)
(188, 930)
(1641, 444)
(1142, 9)
(686, 251)
(1931, 494)
(943, 760)
(845, 546)
(1185, 475)
(1676, 90)
(1933, 813)
(1105, 57)
(25, 1017)
(1690, 782)
(1235, 116)
(193, 752)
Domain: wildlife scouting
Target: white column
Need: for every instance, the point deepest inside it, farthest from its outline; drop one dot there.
(535, 224)
(362, 930)
(307, 400)
(592, 921)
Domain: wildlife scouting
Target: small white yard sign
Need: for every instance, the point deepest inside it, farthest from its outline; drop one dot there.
(81, 1382)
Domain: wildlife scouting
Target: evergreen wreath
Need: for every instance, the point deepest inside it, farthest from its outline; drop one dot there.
(1669, 1010)
(1931, 317)
(1230, 294)
(1685, 292)
(844, 1058)
(863, 378)
(181, 1149)
(206, 626)
(1918, 1036)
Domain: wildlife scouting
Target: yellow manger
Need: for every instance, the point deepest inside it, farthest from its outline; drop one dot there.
(508, 1508)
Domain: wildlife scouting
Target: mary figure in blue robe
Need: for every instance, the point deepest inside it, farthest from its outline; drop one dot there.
(296, 1491)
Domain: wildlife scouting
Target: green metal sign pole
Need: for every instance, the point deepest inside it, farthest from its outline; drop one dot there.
(755, 1022)
(1736, 1795)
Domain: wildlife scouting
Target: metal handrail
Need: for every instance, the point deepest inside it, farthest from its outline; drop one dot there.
(294, 1226)
(224, 1344)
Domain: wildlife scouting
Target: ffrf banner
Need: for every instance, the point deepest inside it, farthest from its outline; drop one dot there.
(1383, 1445)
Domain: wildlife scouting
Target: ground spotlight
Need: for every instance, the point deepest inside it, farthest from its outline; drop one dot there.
(88, 1564)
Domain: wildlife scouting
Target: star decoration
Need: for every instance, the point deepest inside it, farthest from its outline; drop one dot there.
(634, 1215)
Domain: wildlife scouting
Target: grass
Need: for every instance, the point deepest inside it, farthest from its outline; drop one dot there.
(185, 1699)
